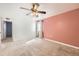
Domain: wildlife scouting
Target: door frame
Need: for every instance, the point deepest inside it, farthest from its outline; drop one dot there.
(3, 29)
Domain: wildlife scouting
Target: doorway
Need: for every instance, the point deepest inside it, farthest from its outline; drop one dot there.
(7, 31)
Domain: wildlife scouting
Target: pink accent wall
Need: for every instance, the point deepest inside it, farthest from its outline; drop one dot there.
(63, 27)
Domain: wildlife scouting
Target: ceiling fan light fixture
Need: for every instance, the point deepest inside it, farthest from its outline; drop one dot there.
(34, 10)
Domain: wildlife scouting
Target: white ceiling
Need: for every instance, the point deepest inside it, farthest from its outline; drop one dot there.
(10, 9)
(58, 8)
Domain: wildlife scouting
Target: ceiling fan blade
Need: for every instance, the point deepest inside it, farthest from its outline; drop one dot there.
(43, 12)
(29, 13)
(24, 8)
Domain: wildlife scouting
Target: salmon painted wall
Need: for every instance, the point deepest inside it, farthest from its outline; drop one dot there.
(63, 27)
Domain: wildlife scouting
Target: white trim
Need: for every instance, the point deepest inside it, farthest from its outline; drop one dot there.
(62, 43)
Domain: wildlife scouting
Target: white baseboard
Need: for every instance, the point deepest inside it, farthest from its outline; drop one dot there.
(62, 43)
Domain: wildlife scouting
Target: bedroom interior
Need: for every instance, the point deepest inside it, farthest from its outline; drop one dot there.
(39, 29)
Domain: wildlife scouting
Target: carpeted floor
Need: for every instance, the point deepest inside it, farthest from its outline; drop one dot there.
(37, 47)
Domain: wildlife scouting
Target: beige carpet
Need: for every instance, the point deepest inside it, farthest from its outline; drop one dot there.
(37, 47)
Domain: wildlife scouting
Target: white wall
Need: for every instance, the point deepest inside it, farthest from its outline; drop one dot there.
(22, 24)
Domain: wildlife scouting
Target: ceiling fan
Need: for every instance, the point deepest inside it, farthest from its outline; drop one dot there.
(34, 10)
